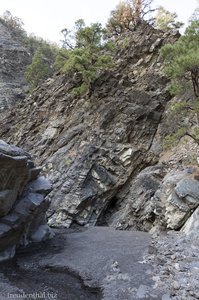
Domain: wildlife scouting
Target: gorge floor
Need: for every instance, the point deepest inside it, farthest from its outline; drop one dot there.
(94, 263)
(23, 276)
(103, 263)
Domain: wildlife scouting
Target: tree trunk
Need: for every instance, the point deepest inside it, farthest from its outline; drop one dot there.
(195, 81)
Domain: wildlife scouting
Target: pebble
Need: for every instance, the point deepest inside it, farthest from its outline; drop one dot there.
(176, 285)
(177, 267)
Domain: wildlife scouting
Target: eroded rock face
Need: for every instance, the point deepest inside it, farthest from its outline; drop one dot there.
(178, 197)
(92, 145)
(22, 200)
(135, 207)
(157, 199)
(13, 60)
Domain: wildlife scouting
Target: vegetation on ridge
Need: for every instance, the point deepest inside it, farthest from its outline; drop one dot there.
(181, 65)
(42, 52)
(86, 52)
(182, 60)
(42, 66)
(127, 15)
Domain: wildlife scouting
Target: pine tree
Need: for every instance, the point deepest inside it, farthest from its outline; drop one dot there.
(84, 52)
(182, 59)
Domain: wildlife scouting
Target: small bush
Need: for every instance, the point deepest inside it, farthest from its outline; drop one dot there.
(172, 139)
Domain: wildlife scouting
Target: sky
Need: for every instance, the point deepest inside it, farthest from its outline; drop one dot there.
(46, 18)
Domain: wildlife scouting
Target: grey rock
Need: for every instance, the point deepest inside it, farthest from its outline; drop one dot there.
(103, 139)
(177, 279)
(13, 60)
(188, 187)
(117, 267)
(22, 203)
(177, 196)
(8, 253)
(40, 185)
(42, 233)
(142, 291)
(191, 226)
(137, 209)
(13, 178)
(12, 150)
(166, 297)
(150, 200)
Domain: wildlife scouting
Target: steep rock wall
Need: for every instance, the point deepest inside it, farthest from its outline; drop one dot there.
(13, 60)
(92, 145)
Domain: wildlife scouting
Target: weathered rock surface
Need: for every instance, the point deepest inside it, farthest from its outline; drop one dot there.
(102, 263)
(22, 200)
(178, 197)
(13, 60)
(156, 199)
(192, 225)
(92, 146)
(136, 207)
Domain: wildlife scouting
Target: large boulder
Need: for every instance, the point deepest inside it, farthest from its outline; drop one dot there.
(22, 201)
(178, 197)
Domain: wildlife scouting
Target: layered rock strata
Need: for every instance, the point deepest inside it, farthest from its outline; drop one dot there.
(22, 201)
(157, 199)
(92, 145)
(13, 60)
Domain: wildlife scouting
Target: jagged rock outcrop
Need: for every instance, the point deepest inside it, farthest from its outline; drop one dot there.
(93, 145)
(13, 60)
(22, 201)
(136, 207)
(156, 199)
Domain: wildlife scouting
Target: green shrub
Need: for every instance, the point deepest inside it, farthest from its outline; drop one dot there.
(85, 52)
(172, 139)
(42, 66)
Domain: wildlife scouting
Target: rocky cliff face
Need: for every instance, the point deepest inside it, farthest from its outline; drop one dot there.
(101, 152)
(157, 199)
(22, 201)
(13, 60)
(92, 146)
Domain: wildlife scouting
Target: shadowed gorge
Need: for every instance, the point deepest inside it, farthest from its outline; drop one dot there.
(99, 176)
